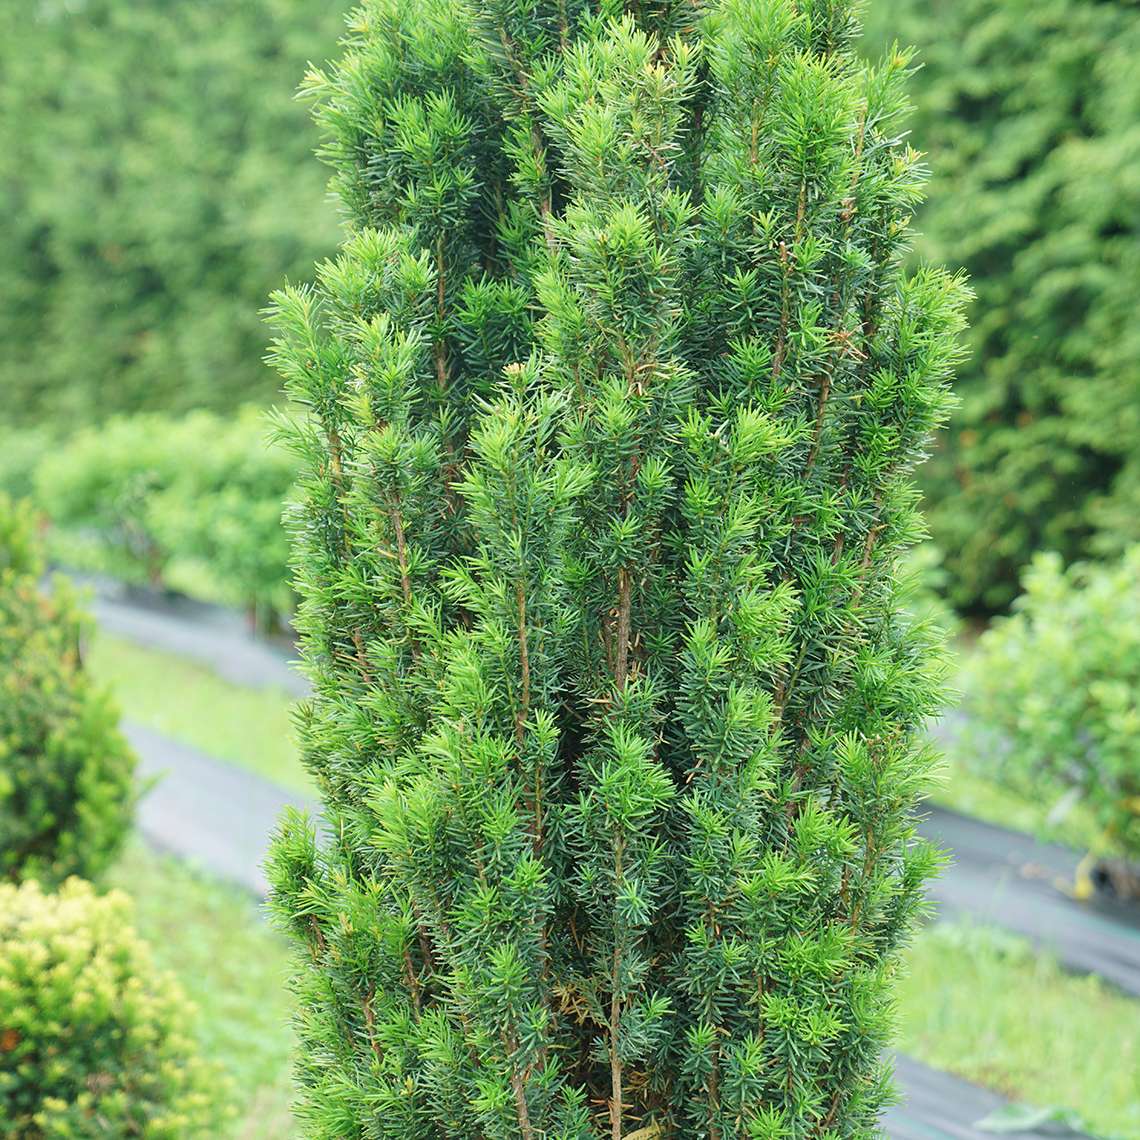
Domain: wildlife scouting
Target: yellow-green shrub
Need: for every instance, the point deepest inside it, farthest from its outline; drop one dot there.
(19, 550)
(66, 774)
(94, 1040)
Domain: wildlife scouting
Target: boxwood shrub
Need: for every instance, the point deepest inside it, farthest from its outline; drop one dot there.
(94, 1040)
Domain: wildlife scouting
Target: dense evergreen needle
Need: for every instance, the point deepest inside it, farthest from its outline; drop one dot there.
(612, 400)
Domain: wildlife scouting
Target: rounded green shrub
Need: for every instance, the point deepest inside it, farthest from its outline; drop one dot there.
(221, 515)
(1054, 691)
(22, 449)
(95, 1041)
(98, 489)
(67, 787)
(20, 551)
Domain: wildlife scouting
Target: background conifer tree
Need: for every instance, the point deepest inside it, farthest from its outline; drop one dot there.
(613, 397)
(1031, 113)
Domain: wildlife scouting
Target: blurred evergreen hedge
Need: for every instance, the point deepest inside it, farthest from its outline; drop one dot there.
(1030, 110)
(155, 185)
(191, 502)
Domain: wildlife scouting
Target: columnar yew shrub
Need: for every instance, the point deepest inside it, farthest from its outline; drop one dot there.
(67, 789)
(613, 397)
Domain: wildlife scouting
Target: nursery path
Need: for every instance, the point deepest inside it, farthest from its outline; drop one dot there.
(1004, 878)
(219, 817)
(941, 1106)
(215, 815)
(210, 635)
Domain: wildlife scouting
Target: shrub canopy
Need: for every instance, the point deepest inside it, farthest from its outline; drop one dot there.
(66, 775)
(1031, 112)
(192, 502)
(615, 390)
(94, 1040)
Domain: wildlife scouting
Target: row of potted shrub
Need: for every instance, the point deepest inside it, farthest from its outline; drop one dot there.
(1053, 699)
(190, 502)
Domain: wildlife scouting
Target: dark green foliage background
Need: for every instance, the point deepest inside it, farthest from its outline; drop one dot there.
(155, 183)
(1030, 111)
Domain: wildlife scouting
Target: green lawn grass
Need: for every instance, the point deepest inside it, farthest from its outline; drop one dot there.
(233, 965)
(981, 1003)
(191, 703)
